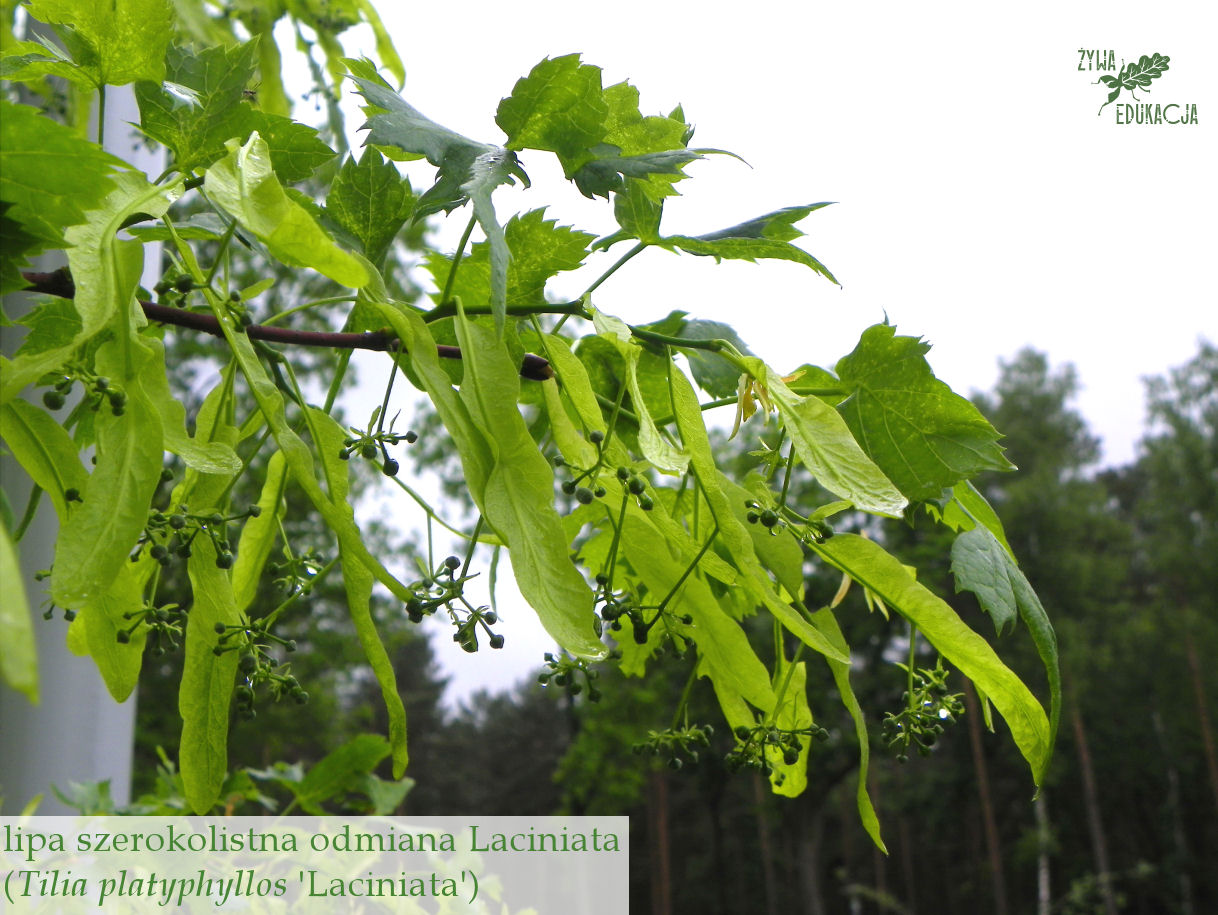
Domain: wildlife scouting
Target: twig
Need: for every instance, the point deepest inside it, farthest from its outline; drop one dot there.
(59, 283)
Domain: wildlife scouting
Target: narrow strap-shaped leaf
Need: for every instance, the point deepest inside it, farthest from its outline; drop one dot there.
(827, 448)
(723, 647)
(300, 461)
(654, 446)
(44, 450)
(207, 679)
(357, 581)
(19, 660)
(731, 530)
(118, 663)
(208, 457)
(258, 535)
(518, 501)
(791, 714)
(245, 185)
(867, 563)
(105, 272)
(826, 622)
(117, 496)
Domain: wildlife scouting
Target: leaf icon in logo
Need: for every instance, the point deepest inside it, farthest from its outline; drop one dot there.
(1134, 76)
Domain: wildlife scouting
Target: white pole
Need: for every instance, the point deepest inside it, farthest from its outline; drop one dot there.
(77, 733)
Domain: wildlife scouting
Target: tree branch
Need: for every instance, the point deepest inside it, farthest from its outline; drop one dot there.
(59, 283)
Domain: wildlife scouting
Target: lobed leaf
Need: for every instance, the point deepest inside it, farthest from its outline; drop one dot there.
(984, 566)
(767, 236)
(372, 201)
(558, 107)
(48, 174)
(395, 123)
(923, 435)
(120, 41)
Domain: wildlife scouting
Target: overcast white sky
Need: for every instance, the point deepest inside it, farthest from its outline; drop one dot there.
(981, 202)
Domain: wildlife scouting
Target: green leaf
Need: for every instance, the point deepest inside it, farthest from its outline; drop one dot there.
(244, 184)
(608, 173)
(106, 525)
(384, 44)
(922, 434)
(984, 566)
(32, 61)
(386, 797)
(826, 622)
(339, 771)
(868, 564)
(396, 123)
(121, 40)
(200, 105)
(715, 375)
(637, 215)
(45, 451)
(827, 448)
(207, 679)
(541, 249)
(489, 171)
(967, 508)
(296, 149)
(791, 714)
(517, 500)
(106, 273)
(19, 660)
(767, 236)
(118, 663)
(732, 531)
(655, 447)
(724, 652)
(371, 200)
(16, 243)
(48, 173)
(204, 456)
(338, 516)
(558, 107)
(53, 324)
(258, 535)
(329, 437)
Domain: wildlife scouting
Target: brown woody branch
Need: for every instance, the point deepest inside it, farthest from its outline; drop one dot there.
(59, 283)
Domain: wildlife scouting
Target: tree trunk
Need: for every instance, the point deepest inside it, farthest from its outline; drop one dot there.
(1095, 824)
(810, 833)
(1044, 843)
(765, 844)
(1177, 825)
(661, 868)
(992, 841)
(1203, 716)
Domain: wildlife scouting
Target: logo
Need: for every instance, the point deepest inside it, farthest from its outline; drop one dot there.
(1132, 77)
